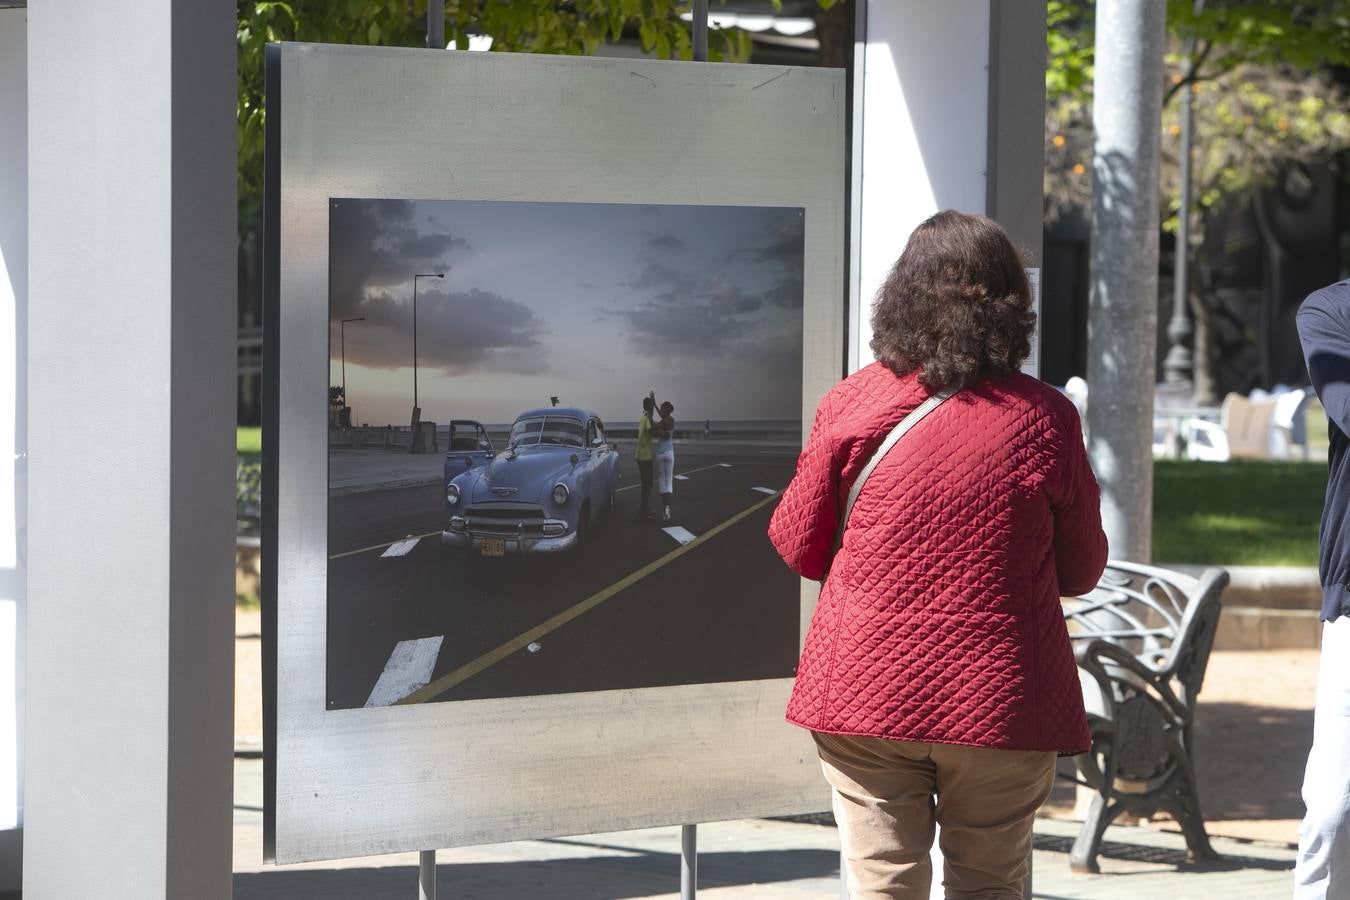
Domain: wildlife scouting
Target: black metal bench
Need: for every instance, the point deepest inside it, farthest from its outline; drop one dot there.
(1142, 640)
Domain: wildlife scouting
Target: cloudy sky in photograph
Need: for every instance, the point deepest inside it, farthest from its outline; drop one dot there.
(593, 303)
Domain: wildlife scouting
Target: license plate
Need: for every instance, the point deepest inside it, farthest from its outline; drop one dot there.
(493, 547)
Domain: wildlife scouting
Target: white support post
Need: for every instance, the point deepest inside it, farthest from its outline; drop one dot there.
(131, 395)
(948, 104)
(13, 437)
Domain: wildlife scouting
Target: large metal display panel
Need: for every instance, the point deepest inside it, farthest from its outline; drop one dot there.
(492, 260)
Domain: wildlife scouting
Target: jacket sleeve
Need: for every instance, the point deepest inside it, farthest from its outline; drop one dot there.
(1323, 332)
(803, 525)
(1075, 500)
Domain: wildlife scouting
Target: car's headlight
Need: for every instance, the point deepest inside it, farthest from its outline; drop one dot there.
(452, 494)
(560, 494)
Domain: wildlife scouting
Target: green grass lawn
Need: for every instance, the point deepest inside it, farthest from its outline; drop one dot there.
(248, 440)
(1237, 513)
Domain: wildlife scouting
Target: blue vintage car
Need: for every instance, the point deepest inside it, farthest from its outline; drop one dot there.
(556, 476)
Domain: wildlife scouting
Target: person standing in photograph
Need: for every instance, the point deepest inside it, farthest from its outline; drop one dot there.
(644, 454)
(937, 677)
(664, 449)
(1323, 867)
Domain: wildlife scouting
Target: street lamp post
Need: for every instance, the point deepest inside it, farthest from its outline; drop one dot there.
(416, 406)
(342, 330)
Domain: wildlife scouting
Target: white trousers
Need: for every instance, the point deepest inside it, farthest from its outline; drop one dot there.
(1323, 868)
(665, 471)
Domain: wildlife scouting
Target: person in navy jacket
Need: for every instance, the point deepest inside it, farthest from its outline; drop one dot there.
(1323, 868)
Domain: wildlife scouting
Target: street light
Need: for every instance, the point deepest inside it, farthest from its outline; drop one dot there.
(342, 329)
(415, 277)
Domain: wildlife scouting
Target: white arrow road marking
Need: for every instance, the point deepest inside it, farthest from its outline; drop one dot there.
(409, 668)
(764, 490)
(681, 477)
(683, 535)
(400, 548)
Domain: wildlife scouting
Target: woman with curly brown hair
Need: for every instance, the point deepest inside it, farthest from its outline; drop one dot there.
(937, 676)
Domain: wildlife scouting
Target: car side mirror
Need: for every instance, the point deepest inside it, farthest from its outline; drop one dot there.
(484, 445)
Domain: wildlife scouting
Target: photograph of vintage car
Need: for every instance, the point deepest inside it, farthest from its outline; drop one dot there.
(556, 434)
(556, 476)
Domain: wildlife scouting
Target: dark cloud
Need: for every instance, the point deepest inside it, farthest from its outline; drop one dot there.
(376, 244)
(684, 314)
(375, 248)
(456, 332)
(665, 242)
(689, 314)
(787, 291)
(786, 245)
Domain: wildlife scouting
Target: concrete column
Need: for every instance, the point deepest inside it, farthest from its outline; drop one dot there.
(1123, 305)
(131, 386)
(947, 105)
(13, 440)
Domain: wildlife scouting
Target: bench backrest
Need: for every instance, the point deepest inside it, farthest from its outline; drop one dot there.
(1165, 619)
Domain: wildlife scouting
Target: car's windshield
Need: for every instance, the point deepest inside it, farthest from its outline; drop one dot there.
(566, 432)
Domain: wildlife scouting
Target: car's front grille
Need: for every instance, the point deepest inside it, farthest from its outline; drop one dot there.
(507, 529)
(504, 512)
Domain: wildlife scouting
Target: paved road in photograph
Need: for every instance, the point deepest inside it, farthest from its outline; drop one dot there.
(703, 598)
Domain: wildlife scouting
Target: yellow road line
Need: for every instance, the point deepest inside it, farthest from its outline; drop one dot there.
(497, 654)
(384, 546)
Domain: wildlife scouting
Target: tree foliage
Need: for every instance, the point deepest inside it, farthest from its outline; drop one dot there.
(1262, 98)
(534, 26)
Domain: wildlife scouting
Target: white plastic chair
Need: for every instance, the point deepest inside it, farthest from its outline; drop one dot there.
(1289, 424)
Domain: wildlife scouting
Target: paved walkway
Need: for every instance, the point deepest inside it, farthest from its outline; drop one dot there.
(744, 860)
(364, 470)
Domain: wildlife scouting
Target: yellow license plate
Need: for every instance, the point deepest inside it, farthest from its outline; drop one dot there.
(493, 547)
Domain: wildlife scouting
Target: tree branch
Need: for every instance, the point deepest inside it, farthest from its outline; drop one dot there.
(1192, 75)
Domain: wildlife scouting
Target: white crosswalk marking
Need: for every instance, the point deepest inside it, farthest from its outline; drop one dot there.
(683, 535)
(409, 668)
(400, 548)
(764, 490)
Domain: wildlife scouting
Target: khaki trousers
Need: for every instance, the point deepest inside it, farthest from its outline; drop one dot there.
(884, 802)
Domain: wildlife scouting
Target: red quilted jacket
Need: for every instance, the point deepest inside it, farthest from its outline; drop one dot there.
(940, 620)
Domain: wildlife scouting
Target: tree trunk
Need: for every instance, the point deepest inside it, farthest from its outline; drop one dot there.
(834, 30)
(1206, 390)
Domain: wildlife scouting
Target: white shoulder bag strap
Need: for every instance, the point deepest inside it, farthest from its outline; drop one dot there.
(892, 439)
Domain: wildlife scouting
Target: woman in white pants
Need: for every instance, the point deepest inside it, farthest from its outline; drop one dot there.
(663, 454)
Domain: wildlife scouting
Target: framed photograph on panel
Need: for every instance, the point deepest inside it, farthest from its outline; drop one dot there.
(543, 335)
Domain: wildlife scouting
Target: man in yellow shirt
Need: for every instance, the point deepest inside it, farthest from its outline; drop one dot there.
(644, 455)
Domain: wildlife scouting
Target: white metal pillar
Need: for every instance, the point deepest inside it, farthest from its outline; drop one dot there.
(131, 415)
(948, 106)
(13, 303)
